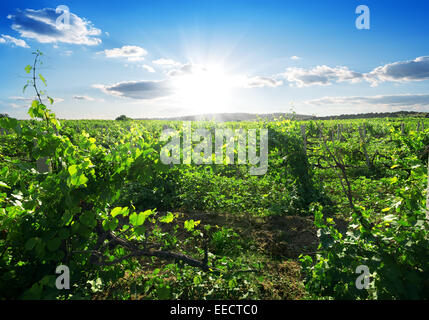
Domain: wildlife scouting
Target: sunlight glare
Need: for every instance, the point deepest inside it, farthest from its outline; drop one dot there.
(204, 88)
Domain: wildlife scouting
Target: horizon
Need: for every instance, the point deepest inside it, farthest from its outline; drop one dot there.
(166, 59)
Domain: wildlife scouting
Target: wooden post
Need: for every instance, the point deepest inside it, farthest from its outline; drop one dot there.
(402, 128)
(418, 126)
(362, 133)
(42, 164)
(427, 195)
(304, 138)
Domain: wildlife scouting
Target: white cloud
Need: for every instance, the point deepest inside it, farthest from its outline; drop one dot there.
(18, 98)
(166, 62)
(320, 75)
(28, 100)
(131, 53)
(17, 42)
(142, 90)
(85, 98)
(41, 26)
(148, 68)
(16, 106)
(259, 82)
(185, 69)
(402, 71)
(398, 100)
(295, 58)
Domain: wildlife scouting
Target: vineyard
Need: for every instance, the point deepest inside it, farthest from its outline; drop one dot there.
(94, 196)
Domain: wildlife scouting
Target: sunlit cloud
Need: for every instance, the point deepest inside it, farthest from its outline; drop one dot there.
(131, 53)
(40, 25)
(26, 101)
(148, 68)
(402, 71)
(166, 62)
(320, 75)
(85, 98)
(259, 82)
(14, 41)
(142, 90)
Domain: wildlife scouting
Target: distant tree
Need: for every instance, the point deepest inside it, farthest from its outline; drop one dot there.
(4, 115)
(122, 118)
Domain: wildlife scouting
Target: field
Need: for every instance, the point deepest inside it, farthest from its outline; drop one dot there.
(94, 196)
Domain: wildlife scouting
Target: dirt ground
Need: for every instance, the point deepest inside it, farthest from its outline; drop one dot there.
(281, 239)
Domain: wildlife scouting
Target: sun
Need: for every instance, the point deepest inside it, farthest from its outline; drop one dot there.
(204, 88)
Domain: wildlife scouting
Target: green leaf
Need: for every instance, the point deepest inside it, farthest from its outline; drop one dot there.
(63, 234)
(42, 78)
(163, 292)
(138, 219)
(140, 230)
(393, 180)
(8, 123)
(105, 225)
(117, 210)
(34, 293)
(169, 217)
(53, 244)
(72, 170)
(37, 109)
(133, 218)
(48, 281)
(29, 245)
(113, 224)
(189, 225)
(389, 218)
(28, 68)
(88, 219)
(110, 224)
(67, 217)
(78, 179)
(4, 185)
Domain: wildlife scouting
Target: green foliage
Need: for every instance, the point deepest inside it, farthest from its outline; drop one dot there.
(394, 246)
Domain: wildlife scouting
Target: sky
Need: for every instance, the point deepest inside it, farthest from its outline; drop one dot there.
(165, 58)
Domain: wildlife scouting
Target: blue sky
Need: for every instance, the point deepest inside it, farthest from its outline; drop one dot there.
(166, 58)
